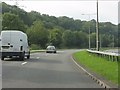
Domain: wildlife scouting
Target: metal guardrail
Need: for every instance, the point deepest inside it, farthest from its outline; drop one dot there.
(110, 55)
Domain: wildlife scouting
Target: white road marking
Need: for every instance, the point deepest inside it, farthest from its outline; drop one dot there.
(23, 63)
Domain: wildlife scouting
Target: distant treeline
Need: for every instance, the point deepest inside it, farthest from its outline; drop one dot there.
(63, 32)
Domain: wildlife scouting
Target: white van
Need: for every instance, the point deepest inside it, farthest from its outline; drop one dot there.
(14, 43)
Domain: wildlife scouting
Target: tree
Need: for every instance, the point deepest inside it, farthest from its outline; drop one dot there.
(67, 38)
(56, 37)
(85, 26)
(80, 39)
(33, 16)
(106, 40)
(93, 40)
(38, 34)
(75, 39)
(16, 18)
(5, 8)
(66, 23)
(12, 21)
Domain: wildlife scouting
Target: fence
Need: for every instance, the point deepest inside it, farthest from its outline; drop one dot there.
(109, 55)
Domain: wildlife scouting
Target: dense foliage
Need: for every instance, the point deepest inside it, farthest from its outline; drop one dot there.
(63, 32)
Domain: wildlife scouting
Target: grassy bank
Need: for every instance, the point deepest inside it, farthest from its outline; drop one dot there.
(99, 65)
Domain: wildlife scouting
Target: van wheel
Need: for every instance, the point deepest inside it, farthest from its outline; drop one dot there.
(22, 57)
(28, 57)
(2, 58)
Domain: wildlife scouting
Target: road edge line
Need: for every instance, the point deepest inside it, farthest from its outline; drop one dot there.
(101, 83)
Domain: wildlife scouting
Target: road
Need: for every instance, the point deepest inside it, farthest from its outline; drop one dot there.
(113, 51)
(45, 70)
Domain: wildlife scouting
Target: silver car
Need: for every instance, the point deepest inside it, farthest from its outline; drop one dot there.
(51, 49)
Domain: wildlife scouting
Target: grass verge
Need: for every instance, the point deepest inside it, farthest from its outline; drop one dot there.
(99, 65)
(35, 51)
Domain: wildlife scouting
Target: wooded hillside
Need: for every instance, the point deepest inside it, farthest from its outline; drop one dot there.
(63, 32)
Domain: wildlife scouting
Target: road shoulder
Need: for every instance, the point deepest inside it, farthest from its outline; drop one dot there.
(99, 79)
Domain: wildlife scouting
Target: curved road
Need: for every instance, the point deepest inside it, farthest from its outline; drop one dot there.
(45, 70)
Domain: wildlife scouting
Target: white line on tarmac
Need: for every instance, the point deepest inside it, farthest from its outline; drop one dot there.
(24, 63)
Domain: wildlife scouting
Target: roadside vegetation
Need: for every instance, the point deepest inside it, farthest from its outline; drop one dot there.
(62, 32)
(99, 65)
(36, 51)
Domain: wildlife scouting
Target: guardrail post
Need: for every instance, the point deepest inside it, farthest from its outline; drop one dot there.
(112, 58)
(109, 56)
(116, 58)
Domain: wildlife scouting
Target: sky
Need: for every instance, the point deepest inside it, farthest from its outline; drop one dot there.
(78, 9)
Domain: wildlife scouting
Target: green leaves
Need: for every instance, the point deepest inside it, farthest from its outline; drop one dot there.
(38, 34)
(63, 31)
(75, 39)
(12, 21)
(56, 37)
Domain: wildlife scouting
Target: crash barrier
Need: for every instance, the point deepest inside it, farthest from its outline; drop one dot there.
(111, 56)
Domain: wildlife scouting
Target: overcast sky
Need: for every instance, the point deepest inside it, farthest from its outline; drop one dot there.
(108, 10)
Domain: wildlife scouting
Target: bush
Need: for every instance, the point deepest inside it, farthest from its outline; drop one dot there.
(35, 47)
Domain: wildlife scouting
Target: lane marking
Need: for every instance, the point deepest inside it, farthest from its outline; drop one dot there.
(24, 63)
(101, 83)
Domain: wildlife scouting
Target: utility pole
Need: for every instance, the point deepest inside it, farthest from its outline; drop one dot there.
(89, 29)
(89, 32)
(97, 31)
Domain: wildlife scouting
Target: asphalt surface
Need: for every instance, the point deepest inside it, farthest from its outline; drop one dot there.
(113, 51)
(45, 70)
